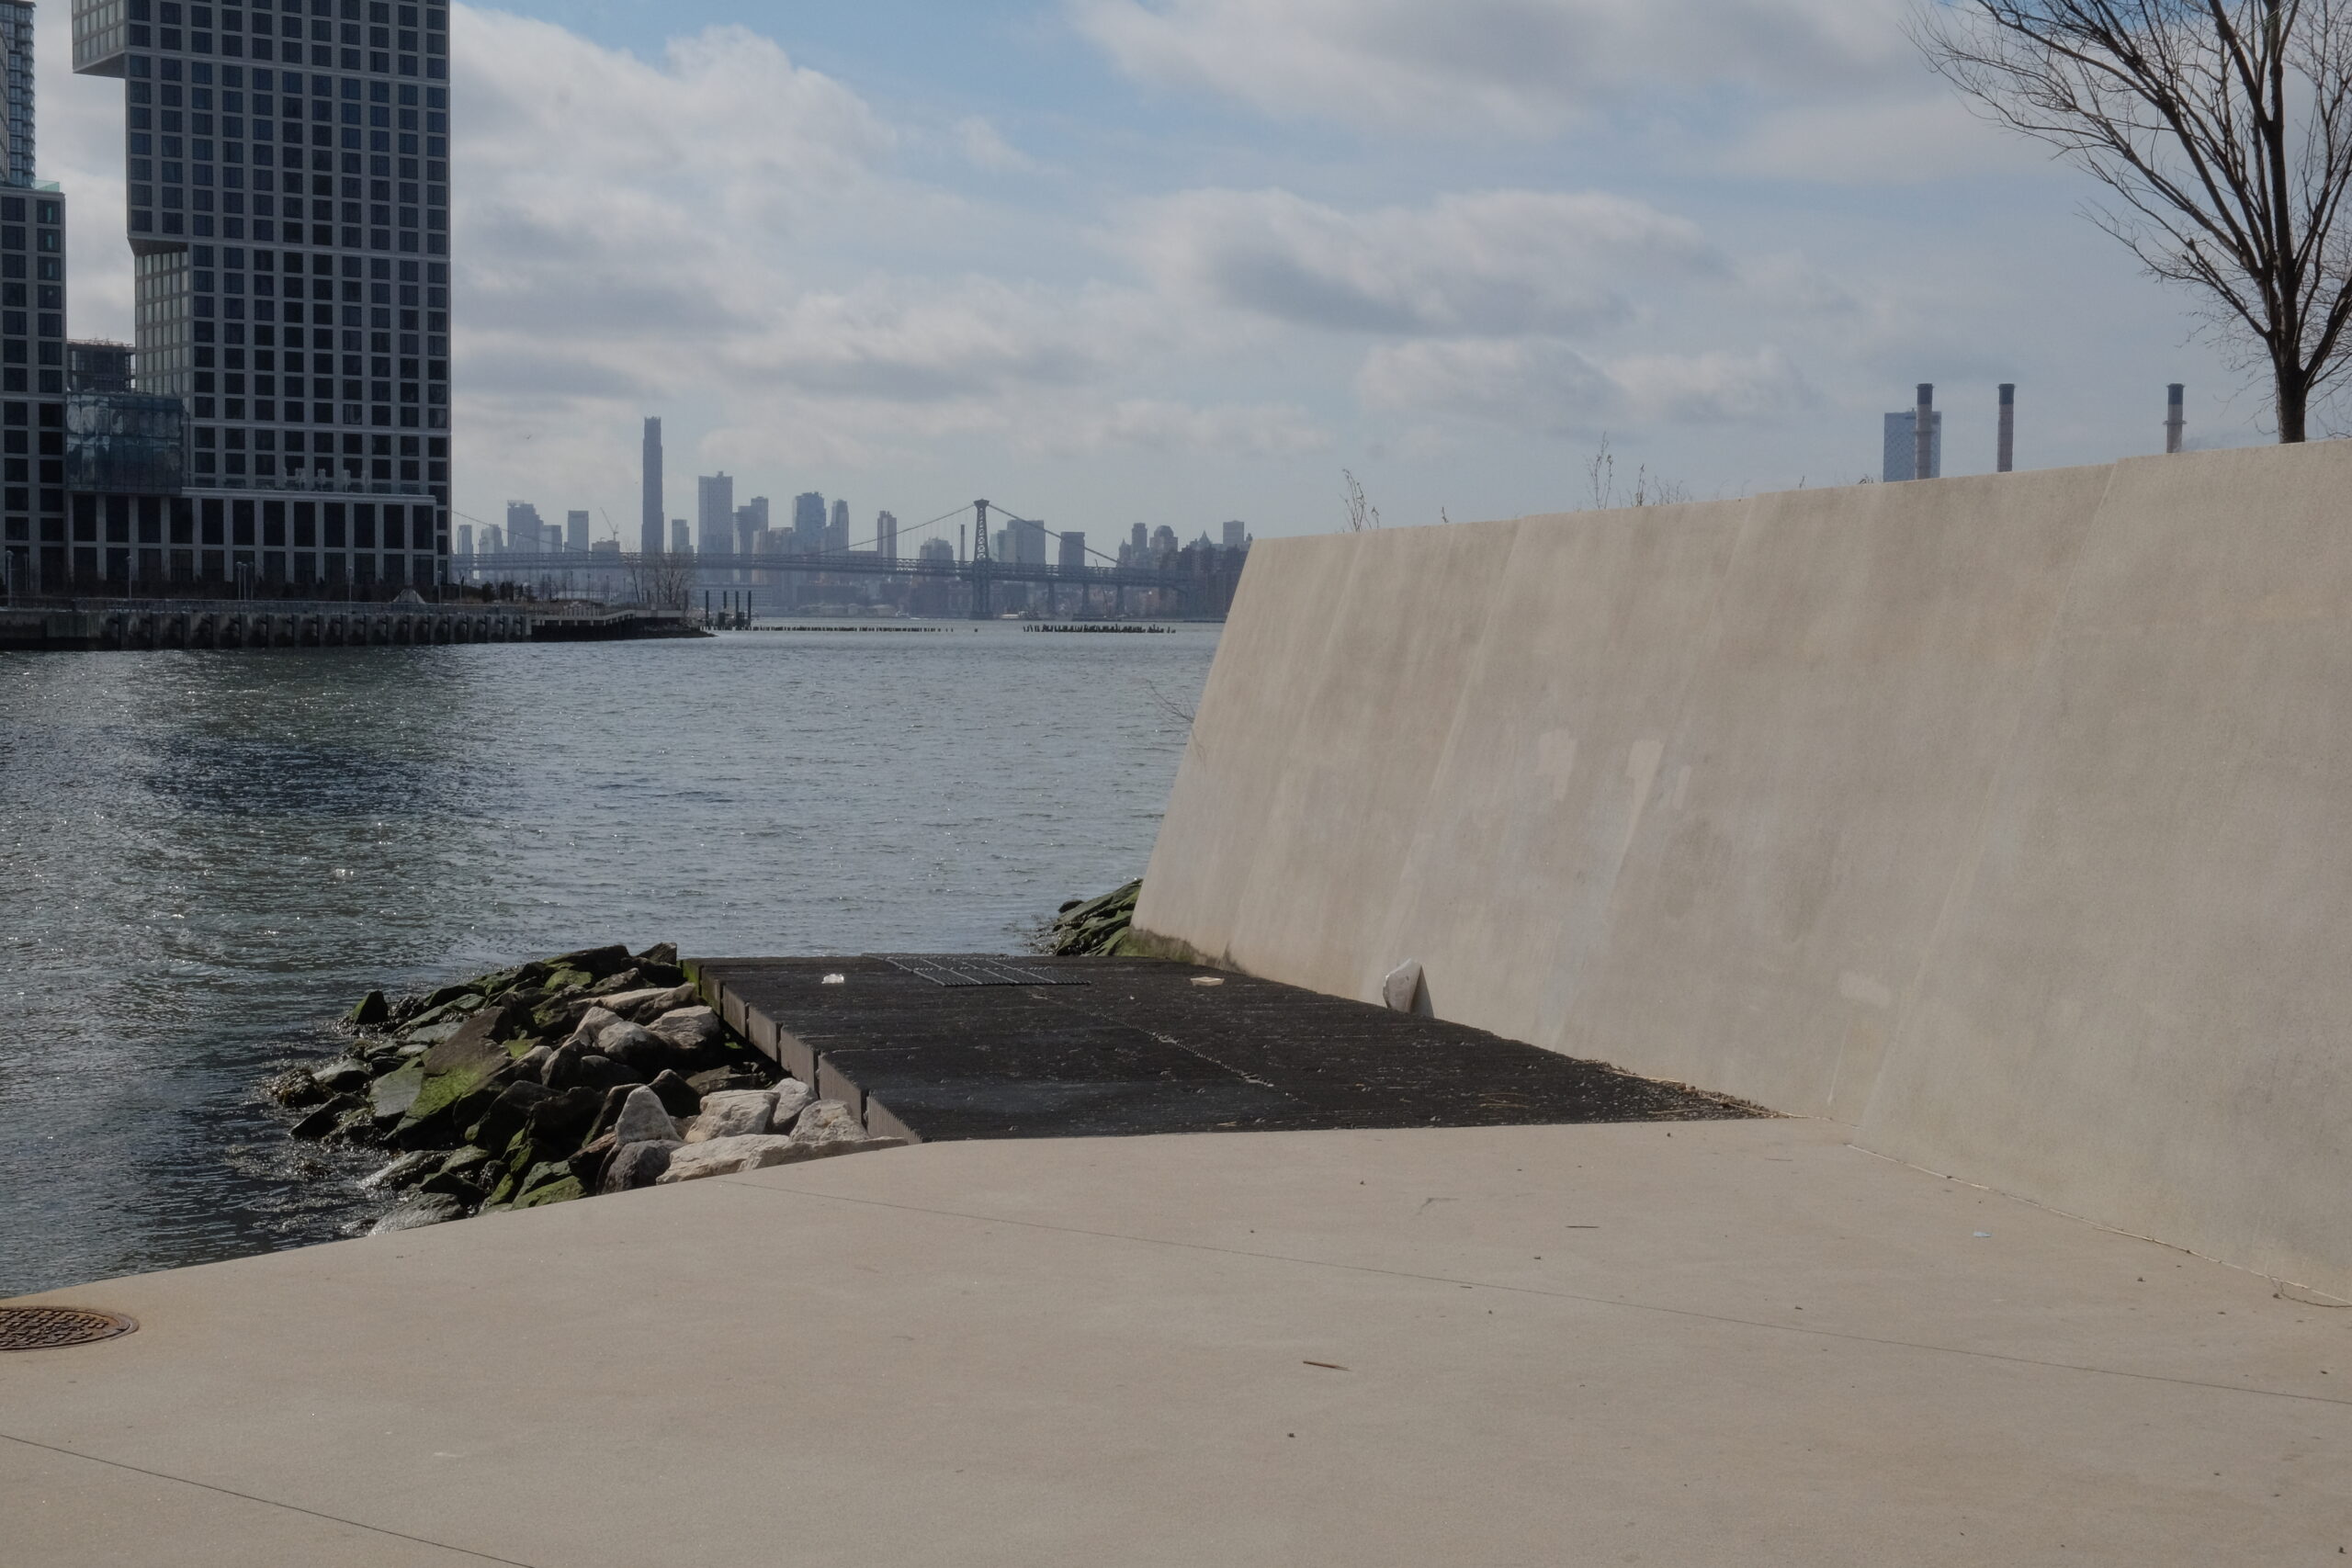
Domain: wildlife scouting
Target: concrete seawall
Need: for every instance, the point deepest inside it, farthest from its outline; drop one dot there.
(2007, 821)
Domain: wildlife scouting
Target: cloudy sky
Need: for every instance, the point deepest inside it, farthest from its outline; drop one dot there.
(1176, 261)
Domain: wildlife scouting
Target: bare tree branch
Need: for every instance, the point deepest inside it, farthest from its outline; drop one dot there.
(2223, 129)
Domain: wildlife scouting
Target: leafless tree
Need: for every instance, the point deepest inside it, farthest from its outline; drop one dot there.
(663, 581)
(1362, 517)
(2224, 130)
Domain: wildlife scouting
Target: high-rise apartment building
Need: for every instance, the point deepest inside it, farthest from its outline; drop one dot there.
(1023, 542)
(715, 515)
(837, 538)
(885, 536)
(575, 531)
(1073, 552)
(656, 508)
(752, 526)
(809, 523)
(1237, 535)
(679, 542)
(287, 174)
(525, 534)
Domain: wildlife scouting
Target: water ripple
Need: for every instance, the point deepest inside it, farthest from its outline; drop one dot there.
(205, 856)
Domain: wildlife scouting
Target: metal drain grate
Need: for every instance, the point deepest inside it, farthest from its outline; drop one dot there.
(53, 1328)
(974, 969)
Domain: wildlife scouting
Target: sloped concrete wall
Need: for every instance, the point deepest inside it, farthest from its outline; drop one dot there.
(2005, 819)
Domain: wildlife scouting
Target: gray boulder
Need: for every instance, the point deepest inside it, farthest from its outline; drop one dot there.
(414, 1213)
(638, 1165)
(593, 1022)
(827, 1128)
(695, 1028)
(643, 1120)
(827, 1122)
(1402, 988)
(735, 1114)
(641, 1050)
(678, 1097)
(729, 1156)
(645, 1005)
(532, 1065)
(328, 1117)
(792, 1098)
(343, 1077)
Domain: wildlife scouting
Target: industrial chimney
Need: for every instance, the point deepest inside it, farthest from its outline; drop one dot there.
(2005, 452)
(1923, 433)
(2176, 420)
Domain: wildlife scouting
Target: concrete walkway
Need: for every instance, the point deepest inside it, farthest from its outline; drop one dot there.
(1722, 1343)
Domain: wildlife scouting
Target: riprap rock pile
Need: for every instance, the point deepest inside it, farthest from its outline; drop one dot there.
(599, 1071)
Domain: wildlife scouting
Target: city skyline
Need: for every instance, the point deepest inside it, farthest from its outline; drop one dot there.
(1188, 267)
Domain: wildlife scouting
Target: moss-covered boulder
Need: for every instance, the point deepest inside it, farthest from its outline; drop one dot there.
(1094, 927)
(459, 1077)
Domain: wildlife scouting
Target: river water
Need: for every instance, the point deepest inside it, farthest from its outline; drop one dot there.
(205, 857)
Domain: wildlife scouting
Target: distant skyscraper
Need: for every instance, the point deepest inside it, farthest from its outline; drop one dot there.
(1901, 458)
(1163, 540)
(1140, 538)
(525, 532)
(1237, 535)
(466, 539)
(1073, 552)
(575, 531)
(650, 533)
(1023, 543)
(885, 536)
(680, 543)
(715, 515)
(751, 525)
(809, 523)
(837, 532)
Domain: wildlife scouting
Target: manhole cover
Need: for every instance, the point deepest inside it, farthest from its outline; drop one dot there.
(53, 1328)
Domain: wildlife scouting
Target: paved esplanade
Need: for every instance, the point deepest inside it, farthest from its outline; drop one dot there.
(1719, 1343)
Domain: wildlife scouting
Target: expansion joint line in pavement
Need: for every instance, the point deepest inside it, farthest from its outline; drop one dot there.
(1186, 1046)
(263, 1501)
(1539, 1291)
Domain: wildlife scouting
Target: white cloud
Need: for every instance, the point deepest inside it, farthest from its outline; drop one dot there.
(1908, 139)
(1516, 66)
(1523, 383)
(1545, 384)
(704, 211)
(1147, 425)
(1494, 262)
(1713, 388)
(984, 148)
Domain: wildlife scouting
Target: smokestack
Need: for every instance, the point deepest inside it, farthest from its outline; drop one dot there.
(2005, 457)
(1923, 433)
(2176, 419)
